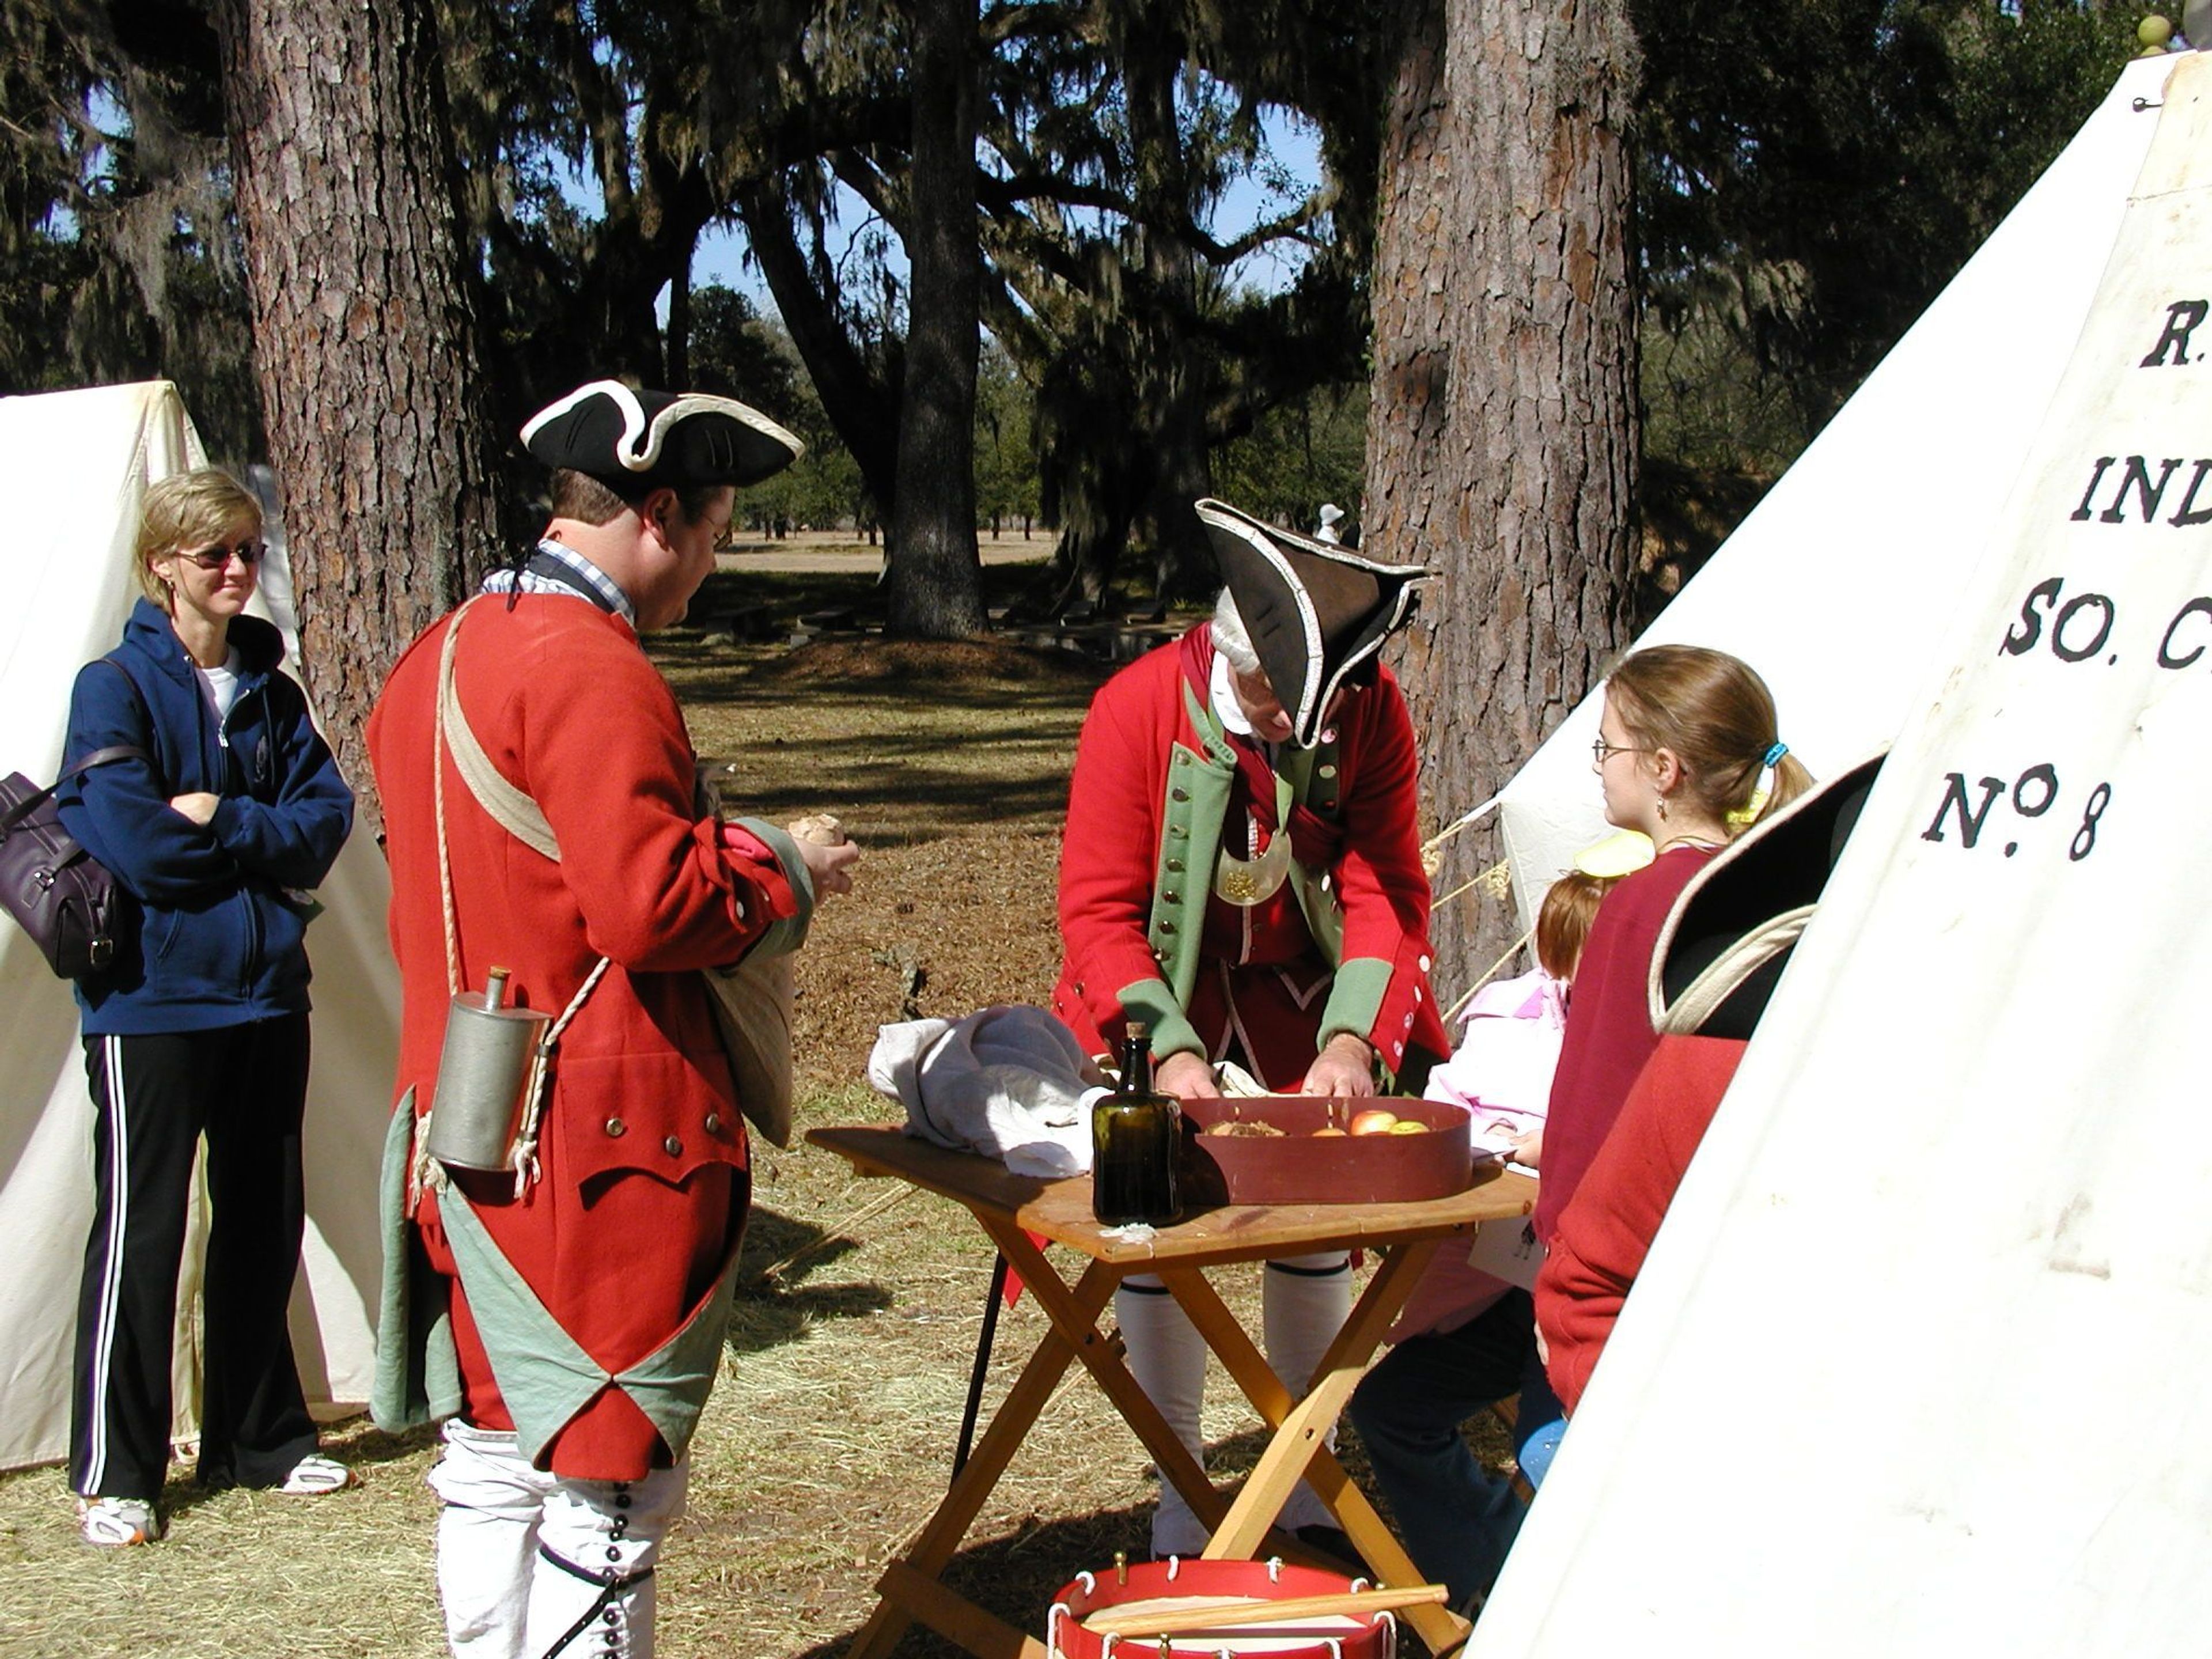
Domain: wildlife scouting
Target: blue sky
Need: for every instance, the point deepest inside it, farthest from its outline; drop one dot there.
(1293, 142)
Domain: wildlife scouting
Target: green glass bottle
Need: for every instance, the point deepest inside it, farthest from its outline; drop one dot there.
(1136, 1143)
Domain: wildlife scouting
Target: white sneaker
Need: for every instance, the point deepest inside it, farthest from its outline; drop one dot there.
(112, 1523)
(315, 1475)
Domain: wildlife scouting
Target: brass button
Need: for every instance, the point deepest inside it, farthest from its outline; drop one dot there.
(1178, 793)
(674, 1146)
(616, 1127)
(1174, 897)
(1326, 771)
(714, 1123)
(1167, 927)
(1175, 867)
(1179, 830)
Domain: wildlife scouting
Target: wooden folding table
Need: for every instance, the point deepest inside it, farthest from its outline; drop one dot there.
(1010, 1208)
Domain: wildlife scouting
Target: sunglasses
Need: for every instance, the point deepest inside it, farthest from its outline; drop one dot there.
(218, 557)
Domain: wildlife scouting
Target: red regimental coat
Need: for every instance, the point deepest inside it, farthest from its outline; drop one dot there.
(643, 1152)
(1609, 1035)
(1606, 1229)
(1341, 946)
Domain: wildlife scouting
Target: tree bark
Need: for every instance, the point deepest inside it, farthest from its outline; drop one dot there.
(864, 413)
(1502, 438)
(364, 333)
(936, 574)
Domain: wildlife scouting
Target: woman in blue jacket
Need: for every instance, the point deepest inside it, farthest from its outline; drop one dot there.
(200, 1024)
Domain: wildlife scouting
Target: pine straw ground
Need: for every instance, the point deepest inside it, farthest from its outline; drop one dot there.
(828, 1441)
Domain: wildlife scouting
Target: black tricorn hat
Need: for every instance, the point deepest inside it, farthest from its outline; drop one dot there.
(1318, 614)
(1721, 949)
(633, 438)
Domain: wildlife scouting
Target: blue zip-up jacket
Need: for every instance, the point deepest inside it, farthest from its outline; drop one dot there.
(219, 940)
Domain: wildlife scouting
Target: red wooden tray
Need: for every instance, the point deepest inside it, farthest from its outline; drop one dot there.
(1299, 1167)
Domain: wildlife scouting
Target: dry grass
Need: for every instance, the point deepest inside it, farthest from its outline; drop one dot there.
(828, 1441)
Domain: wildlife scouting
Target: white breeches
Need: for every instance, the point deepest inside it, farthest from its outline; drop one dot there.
(1303, 1302)
(526, 1559)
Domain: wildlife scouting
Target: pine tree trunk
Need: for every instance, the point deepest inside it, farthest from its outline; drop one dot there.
(1502, 440)
(936, 575)
(364, 333)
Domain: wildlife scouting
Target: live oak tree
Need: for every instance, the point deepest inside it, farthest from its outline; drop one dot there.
(1502, 440)
(378, 425)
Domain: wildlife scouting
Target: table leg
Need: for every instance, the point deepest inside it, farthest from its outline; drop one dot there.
(933, 1547)
(1075, 1323)
(1299, 1446)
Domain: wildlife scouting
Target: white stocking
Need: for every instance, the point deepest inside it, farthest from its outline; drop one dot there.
(595, 1533)
(1303, 1302)
(1167, 1357)
(486, 1540)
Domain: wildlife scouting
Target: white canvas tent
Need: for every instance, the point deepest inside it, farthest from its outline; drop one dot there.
(1841, 585)
(1917, 1363)
(75, 464)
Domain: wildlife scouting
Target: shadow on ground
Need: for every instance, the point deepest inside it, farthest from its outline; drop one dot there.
(1016, 1576)
(773, 1303)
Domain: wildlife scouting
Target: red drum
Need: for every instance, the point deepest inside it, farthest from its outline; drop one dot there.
(1177, 1587)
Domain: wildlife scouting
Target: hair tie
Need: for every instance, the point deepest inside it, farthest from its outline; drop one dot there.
(1775, 753)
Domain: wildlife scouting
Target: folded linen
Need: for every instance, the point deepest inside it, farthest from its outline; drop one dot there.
(1009, 1081)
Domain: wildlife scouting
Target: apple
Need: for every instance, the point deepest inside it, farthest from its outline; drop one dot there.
(1330, 1130)
(1405, 1125)
(1374, 1122)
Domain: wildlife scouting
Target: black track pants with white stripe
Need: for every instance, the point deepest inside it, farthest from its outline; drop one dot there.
(245, 1087)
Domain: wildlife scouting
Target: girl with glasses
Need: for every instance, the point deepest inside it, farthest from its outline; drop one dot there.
(1689, 754)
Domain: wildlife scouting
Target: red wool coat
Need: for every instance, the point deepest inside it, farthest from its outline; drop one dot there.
(1606, 1231)
(1608, 1035)
(643, 1151)
(1138, 858)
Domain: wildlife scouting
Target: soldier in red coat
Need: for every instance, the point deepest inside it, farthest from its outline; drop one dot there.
(566, 1317)
(1241, 870)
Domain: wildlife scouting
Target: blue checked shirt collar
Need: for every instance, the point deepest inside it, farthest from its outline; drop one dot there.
(529, 582)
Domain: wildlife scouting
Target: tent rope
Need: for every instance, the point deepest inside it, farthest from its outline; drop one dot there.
(1489, 973)
(1464, 821)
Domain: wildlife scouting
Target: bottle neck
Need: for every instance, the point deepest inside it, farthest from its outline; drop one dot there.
(1136, 1066)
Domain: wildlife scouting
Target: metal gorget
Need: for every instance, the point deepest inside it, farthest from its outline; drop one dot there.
(1247, 882)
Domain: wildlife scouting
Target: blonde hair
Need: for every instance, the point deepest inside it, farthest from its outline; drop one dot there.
(1563, 920)
(188, 509)
(1717, 717)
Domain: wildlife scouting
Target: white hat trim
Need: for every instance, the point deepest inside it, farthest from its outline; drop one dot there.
(645, 458)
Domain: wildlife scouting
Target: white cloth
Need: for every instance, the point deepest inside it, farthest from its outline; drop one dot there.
(503, 1599)
(486, 1540)
(221, 684)
(1010, 1082)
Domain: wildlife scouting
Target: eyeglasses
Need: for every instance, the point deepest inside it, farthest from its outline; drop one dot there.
(218, 557)
(1602, 751)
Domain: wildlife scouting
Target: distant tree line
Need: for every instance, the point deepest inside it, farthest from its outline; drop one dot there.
(1808, 177)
